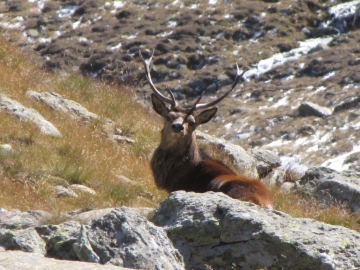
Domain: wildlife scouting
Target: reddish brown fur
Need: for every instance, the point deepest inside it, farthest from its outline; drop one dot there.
(213, 175)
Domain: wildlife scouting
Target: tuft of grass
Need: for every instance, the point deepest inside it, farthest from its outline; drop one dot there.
(302, 206)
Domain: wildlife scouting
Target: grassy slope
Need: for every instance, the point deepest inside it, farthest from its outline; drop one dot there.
(84, 155)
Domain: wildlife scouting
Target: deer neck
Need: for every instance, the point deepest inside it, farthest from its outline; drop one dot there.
(186, 147)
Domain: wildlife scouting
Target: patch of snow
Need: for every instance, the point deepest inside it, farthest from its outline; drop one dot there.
(320, 89)
(345, 9)
(288, 78)
(116, 47)
(313, 148)
(351, 85)
(328, 75)
(277, 143)
(83, 39)
(39, 3)
(171, 24)
(16, 23)
(325, 138)
(243, 136)
(131, 36)
(282, 102)
(164, 34)
(66, 11)
(194, 6)
(45, 40)
(293, 164)
(338, 162)
(118, 4)
(228, 125)
(212, 2)
(280, 58)
(77, 23)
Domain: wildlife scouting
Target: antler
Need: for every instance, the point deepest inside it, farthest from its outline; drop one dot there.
(216, 101)
(172, 100)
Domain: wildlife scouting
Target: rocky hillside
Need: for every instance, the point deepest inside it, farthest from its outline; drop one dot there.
(79, 145)
(300, 95)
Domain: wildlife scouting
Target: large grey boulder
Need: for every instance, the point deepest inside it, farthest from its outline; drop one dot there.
(15, 108)
(26, 240)
(242, 160)
(15, 219)
(60, 103)
(122, 237)
(331, 186)
(125, 238)
(214, 230)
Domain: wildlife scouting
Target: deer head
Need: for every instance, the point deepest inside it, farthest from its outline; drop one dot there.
(180, 123)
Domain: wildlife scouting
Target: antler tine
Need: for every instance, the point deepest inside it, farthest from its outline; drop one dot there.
(193, 107)
(174, 103)
(148, 77)
(214, 102)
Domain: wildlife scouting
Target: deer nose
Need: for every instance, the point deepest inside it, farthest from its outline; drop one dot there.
(177, 127)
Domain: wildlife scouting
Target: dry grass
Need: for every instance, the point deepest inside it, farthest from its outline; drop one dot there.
(301, 206)
(84, 155)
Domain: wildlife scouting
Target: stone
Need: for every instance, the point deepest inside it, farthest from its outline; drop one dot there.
(312, 109)
(212, 229)
(331, 187)
(14, 108)
(245, 163)
(124, 238)
(81, 189)
(15, 219)
(60, 103)
(275, 178)
(26, 240)
(64, 192)
(266, 161)
(347, 104)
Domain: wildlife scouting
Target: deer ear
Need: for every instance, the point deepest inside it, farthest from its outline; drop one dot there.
(159, 106)
(205, 116)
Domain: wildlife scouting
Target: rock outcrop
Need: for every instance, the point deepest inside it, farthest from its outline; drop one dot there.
(213, 230)
(121, 237)
(189, 231)
(28, 114)
(243, 161)
(332, 187)
(60, 103)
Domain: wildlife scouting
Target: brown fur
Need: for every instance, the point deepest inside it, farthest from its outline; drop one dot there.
(177, 164)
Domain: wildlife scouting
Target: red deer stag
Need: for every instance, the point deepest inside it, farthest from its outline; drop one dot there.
(178, 163)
